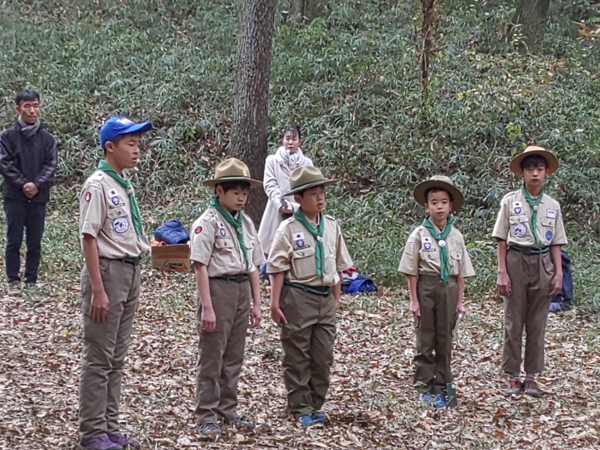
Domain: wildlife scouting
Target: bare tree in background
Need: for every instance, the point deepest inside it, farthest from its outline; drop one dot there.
(531, 16)
(250, 106)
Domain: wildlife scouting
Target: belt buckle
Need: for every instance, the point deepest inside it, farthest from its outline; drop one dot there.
(527, 251)
(239, 278)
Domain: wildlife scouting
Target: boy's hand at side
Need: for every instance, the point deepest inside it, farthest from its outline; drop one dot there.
(460, 309)
(255, 316)
(208, 320)
(503, 284)
(415, 306)
(556, 284)
(278, 316)
(98, 306)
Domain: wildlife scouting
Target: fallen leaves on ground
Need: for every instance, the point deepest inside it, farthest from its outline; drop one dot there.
(372, 402)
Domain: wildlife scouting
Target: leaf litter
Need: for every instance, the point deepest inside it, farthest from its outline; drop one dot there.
(372, 402)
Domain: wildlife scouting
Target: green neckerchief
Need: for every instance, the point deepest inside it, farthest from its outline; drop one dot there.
(533, 204)
(125, 184)
(318, 235)
(235, 223)
(441, 240)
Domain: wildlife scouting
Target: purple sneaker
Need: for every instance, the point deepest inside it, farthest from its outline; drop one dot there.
(98, 443)
(123, 441)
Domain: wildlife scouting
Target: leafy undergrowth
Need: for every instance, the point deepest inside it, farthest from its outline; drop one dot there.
(371, 402)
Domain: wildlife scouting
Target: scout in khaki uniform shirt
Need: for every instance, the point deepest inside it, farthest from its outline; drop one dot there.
(225, 253)
(530, 232)
(305, 264)
(436, 263)
(113, 241)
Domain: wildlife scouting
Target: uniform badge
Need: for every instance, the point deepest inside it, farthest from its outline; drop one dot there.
(221, 225)
(300, 243)
(198, 230)
(222, 231)
(120, 225)
(115, 200)
(548, 235)
(426, 241)
(517, 207)
(519, 230)
(551, 214)
(442, 243)
(320, 238)
(298, 236)
(87, 196)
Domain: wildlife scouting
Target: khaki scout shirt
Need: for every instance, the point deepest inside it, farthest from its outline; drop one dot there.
(514, 218)
(215, 244)
(421, 254)
(105, 213)
(293, 252)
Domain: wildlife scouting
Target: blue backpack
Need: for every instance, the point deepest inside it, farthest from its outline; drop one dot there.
(172, 232)
(562, 301)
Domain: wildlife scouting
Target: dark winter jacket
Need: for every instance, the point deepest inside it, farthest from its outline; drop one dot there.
(27, 160)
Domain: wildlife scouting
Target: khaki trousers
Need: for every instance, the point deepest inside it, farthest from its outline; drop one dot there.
(526, 307)
(221, 353)
(434, 331)
(307, 340)
(104, 347)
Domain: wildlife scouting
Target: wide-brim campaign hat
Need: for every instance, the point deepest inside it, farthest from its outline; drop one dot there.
(440, 182)
(306, 177)
(117, 126)
(551, 159)
(232, 169)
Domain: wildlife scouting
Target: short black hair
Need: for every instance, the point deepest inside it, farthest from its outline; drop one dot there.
(434, 190)
(295, 129)
(235, 184)
(533, 161)
(26, 95)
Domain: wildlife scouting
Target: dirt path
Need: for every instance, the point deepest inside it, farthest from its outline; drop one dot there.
(371, 402)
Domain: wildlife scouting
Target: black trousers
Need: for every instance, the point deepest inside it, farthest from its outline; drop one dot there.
(29, 217)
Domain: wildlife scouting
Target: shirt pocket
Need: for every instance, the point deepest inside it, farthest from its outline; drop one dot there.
(518, 225)
(431, 254)
(118, 226)
(548, 225)
(224, 245)
(455, 261)
(304, 264)
(250, 244)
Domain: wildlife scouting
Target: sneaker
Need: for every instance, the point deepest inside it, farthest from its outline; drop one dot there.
(210, 431)
(305, 421)
(514, 387)
(427, 397)
(239, 423)
(98, 443)
(531, 387)
(123, 441)
(14, 288)
(319, 417)
(439, 401)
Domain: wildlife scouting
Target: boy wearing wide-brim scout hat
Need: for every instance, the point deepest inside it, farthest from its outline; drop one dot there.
(225, 252)
(305, 264)
(530, 232)
(436, 262)
(113, 241)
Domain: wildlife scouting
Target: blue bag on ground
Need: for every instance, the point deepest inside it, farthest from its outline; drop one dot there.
(360, 284)
(562, 301)
(172, 232)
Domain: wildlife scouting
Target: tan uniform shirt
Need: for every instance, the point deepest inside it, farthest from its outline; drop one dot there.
(514, 219)
(215, 244)
(293, 252)
(421, 254)
(105, 213)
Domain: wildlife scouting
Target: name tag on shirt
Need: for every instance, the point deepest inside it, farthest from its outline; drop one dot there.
(551, 214)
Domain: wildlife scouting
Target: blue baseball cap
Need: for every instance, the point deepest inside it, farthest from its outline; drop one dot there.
(116, 126)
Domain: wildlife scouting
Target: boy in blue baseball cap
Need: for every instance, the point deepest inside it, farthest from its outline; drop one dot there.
(113, 241)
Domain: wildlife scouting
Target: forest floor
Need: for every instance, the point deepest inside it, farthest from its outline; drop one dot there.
(372, 402)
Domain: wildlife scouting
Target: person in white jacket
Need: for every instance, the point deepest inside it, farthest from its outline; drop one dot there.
(278, 169)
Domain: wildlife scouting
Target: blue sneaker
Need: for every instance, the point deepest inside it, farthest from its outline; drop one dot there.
(427, 397)
(98, 443)
(439, 401)
(319, 417)
(305, 421)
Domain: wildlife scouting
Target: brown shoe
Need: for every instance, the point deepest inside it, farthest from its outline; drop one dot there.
(531, 387)
(514, 387)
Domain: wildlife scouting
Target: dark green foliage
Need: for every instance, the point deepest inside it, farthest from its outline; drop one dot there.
(351, 81)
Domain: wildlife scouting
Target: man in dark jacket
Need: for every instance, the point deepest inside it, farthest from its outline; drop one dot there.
(28, 157)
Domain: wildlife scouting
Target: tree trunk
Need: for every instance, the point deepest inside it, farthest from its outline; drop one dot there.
(307, 8)
(250, 106)
(532, 16)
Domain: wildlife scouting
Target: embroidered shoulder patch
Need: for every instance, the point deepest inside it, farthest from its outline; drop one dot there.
(198, 230)
(88, 196)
